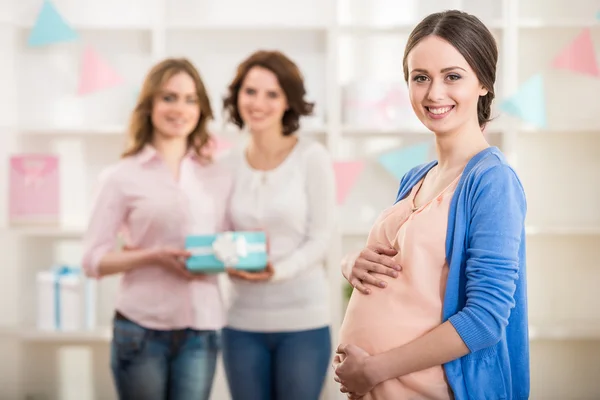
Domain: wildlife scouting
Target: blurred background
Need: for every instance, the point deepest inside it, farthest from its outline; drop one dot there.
(71, 71)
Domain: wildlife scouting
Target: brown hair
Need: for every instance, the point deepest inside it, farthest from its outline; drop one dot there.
(472, 40)
(140, 125)
(290, 79)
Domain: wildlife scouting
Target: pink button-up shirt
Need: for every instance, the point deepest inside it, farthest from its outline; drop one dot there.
(139, 198)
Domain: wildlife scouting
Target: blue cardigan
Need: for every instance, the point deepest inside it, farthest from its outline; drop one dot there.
(486, 290)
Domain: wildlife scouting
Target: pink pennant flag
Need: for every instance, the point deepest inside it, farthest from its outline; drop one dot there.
(346, 173)
(215, 145)
(96, 73)
(579, 56)
(222, 145)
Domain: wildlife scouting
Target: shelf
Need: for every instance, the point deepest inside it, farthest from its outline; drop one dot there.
(525, 23)
(120, 131)
(352, 131)
(365, 29)
(364, 131)
(116, 130)
(565, 331)
(541, 23)
(248, 28)
(562, 230)
(99, 335)
(402, 132)
(50, 232)
(530, 130)
(96, 26)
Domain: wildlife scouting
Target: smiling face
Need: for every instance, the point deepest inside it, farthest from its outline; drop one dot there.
(261, 101)
(443, 88)
(176, 109)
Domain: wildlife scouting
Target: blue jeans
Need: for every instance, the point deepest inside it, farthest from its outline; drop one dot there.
(158, 365)
(276, 366)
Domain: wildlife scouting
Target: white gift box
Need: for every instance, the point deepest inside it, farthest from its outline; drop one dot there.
(66, 300)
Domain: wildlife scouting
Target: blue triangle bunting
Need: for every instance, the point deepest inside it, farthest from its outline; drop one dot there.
(50, 27)
(529, 103)
(399, 162)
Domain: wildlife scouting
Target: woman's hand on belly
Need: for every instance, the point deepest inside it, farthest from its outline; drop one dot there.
(352, 372)
(373, 259)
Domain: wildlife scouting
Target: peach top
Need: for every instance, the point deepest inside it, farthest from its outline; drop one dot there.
(411, 304)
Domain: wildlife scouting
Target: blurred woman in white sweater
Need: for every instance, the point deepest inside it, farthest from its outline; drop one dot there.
(277, 341)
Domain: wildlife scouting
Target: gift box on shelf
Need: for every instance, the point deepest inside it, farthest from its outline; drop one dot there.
(34, 189)
(240, 250)
(66, 300)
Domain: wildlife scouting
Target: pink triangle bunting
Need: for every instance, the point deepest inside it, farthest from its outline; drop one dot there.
(346, 173)
(216, 145)
(96, 73)
(222, 145)
(579, 56)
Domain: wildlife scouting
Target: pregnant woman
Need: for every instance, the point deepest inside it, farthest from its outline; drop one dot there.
(453, 322)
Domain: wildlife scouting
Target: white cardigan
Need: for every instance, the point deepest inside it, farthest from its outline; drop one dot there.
(295, 204)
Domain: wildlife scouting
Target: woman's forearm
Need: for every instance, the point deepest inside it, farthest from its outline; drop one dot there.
(439, 346)
(122, 261)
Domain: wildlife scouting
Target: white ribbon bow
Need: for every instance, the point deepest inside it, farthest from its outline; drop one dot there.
(228, 250)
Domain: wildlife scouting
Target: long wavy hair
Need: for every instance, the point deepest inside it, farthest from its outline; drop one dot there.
(140, 125)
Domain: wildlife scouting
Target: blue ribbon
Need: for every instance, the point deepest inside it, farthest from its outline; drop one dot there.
(59, 272)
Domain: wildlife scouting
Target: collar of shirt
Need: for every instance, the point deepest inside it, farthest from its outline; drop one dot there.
(149, 153)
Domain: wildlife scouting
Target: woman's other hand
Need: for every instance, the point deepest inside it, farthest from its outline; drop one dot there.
(358, 268)
(174, 260)
(170, 258)
(352, 371)
(258, 276)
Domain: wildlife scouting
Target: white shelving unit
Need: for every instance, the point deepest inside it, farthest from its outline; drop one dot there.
(336, 43)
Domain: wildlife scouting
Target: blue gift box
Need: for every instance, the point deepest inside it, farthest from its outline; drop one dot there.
(240, 250)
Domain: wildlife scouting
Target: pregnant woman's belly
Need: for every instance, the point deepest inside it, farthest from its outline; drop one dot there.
(389, 318)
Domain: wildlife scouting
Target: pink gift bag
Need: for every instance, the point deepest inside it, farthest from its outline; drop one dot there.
(34, 189)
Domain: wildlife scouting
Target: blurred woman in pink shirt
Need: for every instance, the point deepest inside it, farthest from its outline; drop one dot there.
(165, 187)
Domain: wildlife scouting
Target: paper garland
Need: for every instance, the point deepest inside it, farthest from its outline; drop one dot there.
(529, 103)
(346, 174)
(579, 56)
(51, 28)
(399, 162)
(96, 73)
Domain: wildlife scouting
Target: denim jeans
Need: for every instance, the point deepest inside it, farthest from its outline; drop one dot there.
(276, 366)
(158, 365)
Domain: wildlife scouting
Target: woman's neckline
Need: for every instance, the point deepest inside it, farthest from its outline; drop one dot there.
(281, 165)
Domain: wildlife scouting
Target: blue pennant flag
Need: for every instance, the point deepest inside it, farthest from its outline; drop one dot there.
(399, 162)
(50, 27)
(529, 103)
